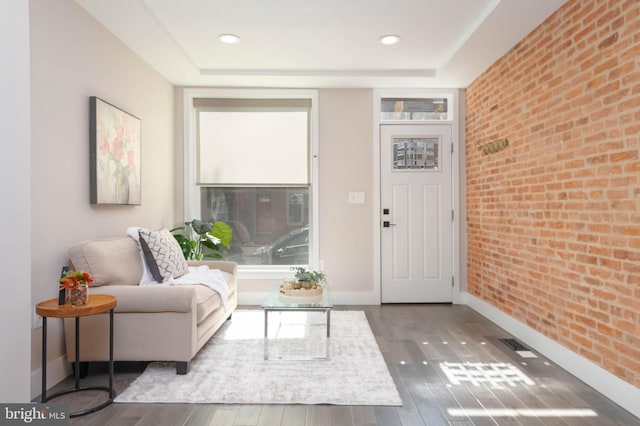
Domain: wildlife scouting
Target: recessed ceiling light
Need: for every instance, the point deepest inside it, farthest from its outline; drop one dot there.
(228, 38)
(389, 39)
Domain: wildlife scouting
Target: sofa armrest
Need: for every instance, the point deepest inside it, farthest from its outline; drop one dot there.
(223, 265)
(150, 298)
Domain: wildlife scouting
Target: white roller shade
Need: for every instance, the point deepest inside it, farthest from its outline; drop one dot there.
(245, 142)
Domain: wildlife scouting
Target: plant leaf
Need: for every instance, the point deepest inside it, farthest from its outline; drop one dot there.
(223, 232)
(217, 256)
(209, 244)
(185, 245)
(192, 246)
(201, 227)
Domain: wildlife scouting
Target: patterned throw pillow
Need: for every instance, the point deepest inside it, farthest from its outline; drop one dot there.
(163, 254)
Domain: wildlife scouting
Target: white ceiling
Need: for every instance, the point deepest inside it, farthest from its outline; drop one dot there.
(321, 43)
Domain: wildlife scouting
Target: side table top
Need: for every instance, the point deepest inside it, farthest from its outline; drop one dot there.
(98, 303)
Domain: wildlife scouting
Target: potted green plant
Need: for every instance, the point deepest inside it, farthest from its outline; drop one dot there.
(307, 278)
(198, 235)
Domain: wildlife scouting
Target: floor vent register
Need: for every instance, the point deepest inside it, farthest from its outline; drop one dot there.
(520, 349)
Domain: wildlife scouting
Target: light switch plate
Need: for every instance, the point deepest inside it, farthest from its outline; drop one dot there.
(356, 198)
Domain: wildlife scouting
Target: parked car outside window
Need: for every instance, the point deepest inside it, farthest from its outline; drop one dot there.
(290, 249)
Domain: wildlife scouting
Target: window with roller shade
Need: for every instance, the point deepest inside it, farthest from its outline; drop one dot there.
(253, 170)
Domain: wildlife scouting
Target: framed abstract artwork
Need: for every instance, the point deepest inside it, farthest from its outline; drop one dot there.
(114, 137)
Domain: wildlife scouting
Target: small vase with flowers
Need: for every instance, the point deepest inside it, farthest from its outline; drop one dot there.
(76, 283)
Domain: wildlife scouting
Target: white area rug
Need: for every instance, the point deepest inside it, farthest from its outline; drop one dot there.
(231, 368)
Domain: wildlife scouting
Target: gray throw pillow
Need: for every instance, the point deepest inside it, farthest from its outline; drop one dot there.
(163, 254)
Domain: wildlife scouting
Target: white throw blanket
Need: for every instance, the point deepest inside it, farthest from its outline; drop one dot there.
(203, 275)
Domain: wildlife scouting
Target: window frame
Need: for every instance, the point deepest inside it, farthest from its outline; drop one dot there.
(191, 201)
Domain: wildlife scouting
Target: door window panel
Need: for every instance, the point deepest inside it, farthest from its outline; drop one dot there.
(416, 154)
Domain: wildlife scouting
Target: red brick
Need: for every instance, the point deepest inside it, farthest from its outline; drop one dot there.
(627, 255)
(630, 230)
(624, 156)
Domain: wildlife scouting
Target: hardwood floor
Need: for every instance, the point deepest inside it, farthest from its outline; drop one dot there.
(482, 384)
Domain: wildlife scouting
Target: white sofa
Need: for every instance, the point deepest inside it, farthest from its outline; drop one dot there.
(151, 322)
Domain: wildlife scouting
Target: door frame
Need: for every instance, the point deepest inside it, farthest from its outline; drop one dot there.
(457, 196)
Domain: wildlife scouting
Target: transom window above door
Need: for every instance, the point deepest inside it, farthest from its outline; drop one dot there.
(415, 109)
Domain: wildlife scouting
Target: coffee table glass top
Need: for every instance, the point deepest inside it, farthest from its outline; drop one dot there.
(277, 301)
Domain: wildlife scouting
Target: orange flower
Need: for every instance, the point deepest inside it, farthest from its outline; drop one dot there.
(73, 279)
(70, 283)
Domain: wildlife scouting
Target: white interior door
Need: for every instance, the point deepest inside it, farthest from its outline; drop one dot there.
(416, 234)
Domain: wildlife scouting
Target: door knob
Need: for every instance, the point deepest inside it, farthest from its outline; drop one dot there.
(387, 224)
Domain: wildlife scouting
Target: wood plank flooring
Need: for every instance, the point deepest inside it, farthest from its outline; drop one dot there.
(417, 341)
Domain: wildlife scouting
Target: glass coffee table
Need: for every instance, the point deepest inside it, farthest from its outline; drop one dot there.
(277, 303)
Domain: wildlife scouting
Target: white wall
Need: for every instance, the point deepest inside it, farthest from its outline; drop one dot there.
(73, 57)
(346, 165)
(15, 175)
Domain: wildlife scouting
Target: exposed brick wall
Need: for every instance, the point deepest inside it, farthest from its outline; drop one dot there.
(554, 218)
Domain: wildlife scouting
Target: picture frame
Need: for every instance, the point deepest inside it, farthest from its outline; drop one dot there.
(115, 154)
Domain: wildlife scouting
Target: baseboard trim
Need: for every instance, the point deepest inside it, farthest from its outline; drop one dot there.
(611, 386)
(57, 370)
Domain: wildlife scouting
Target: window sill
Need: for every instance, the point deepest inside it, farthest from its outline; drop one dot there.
(276, 272)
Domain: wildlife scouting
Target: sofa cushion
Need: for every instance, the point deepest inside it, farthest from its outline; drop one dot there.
(208, 300)
(153, 299)
(163, 254)
(113, 261)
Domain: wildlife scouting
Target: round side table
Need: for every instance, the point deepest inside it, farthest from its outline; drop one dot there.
(98, 304)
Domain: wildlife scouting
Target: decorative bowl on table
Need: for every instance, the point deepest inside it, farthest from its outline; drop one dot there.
(305, 288)
(296, 292)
